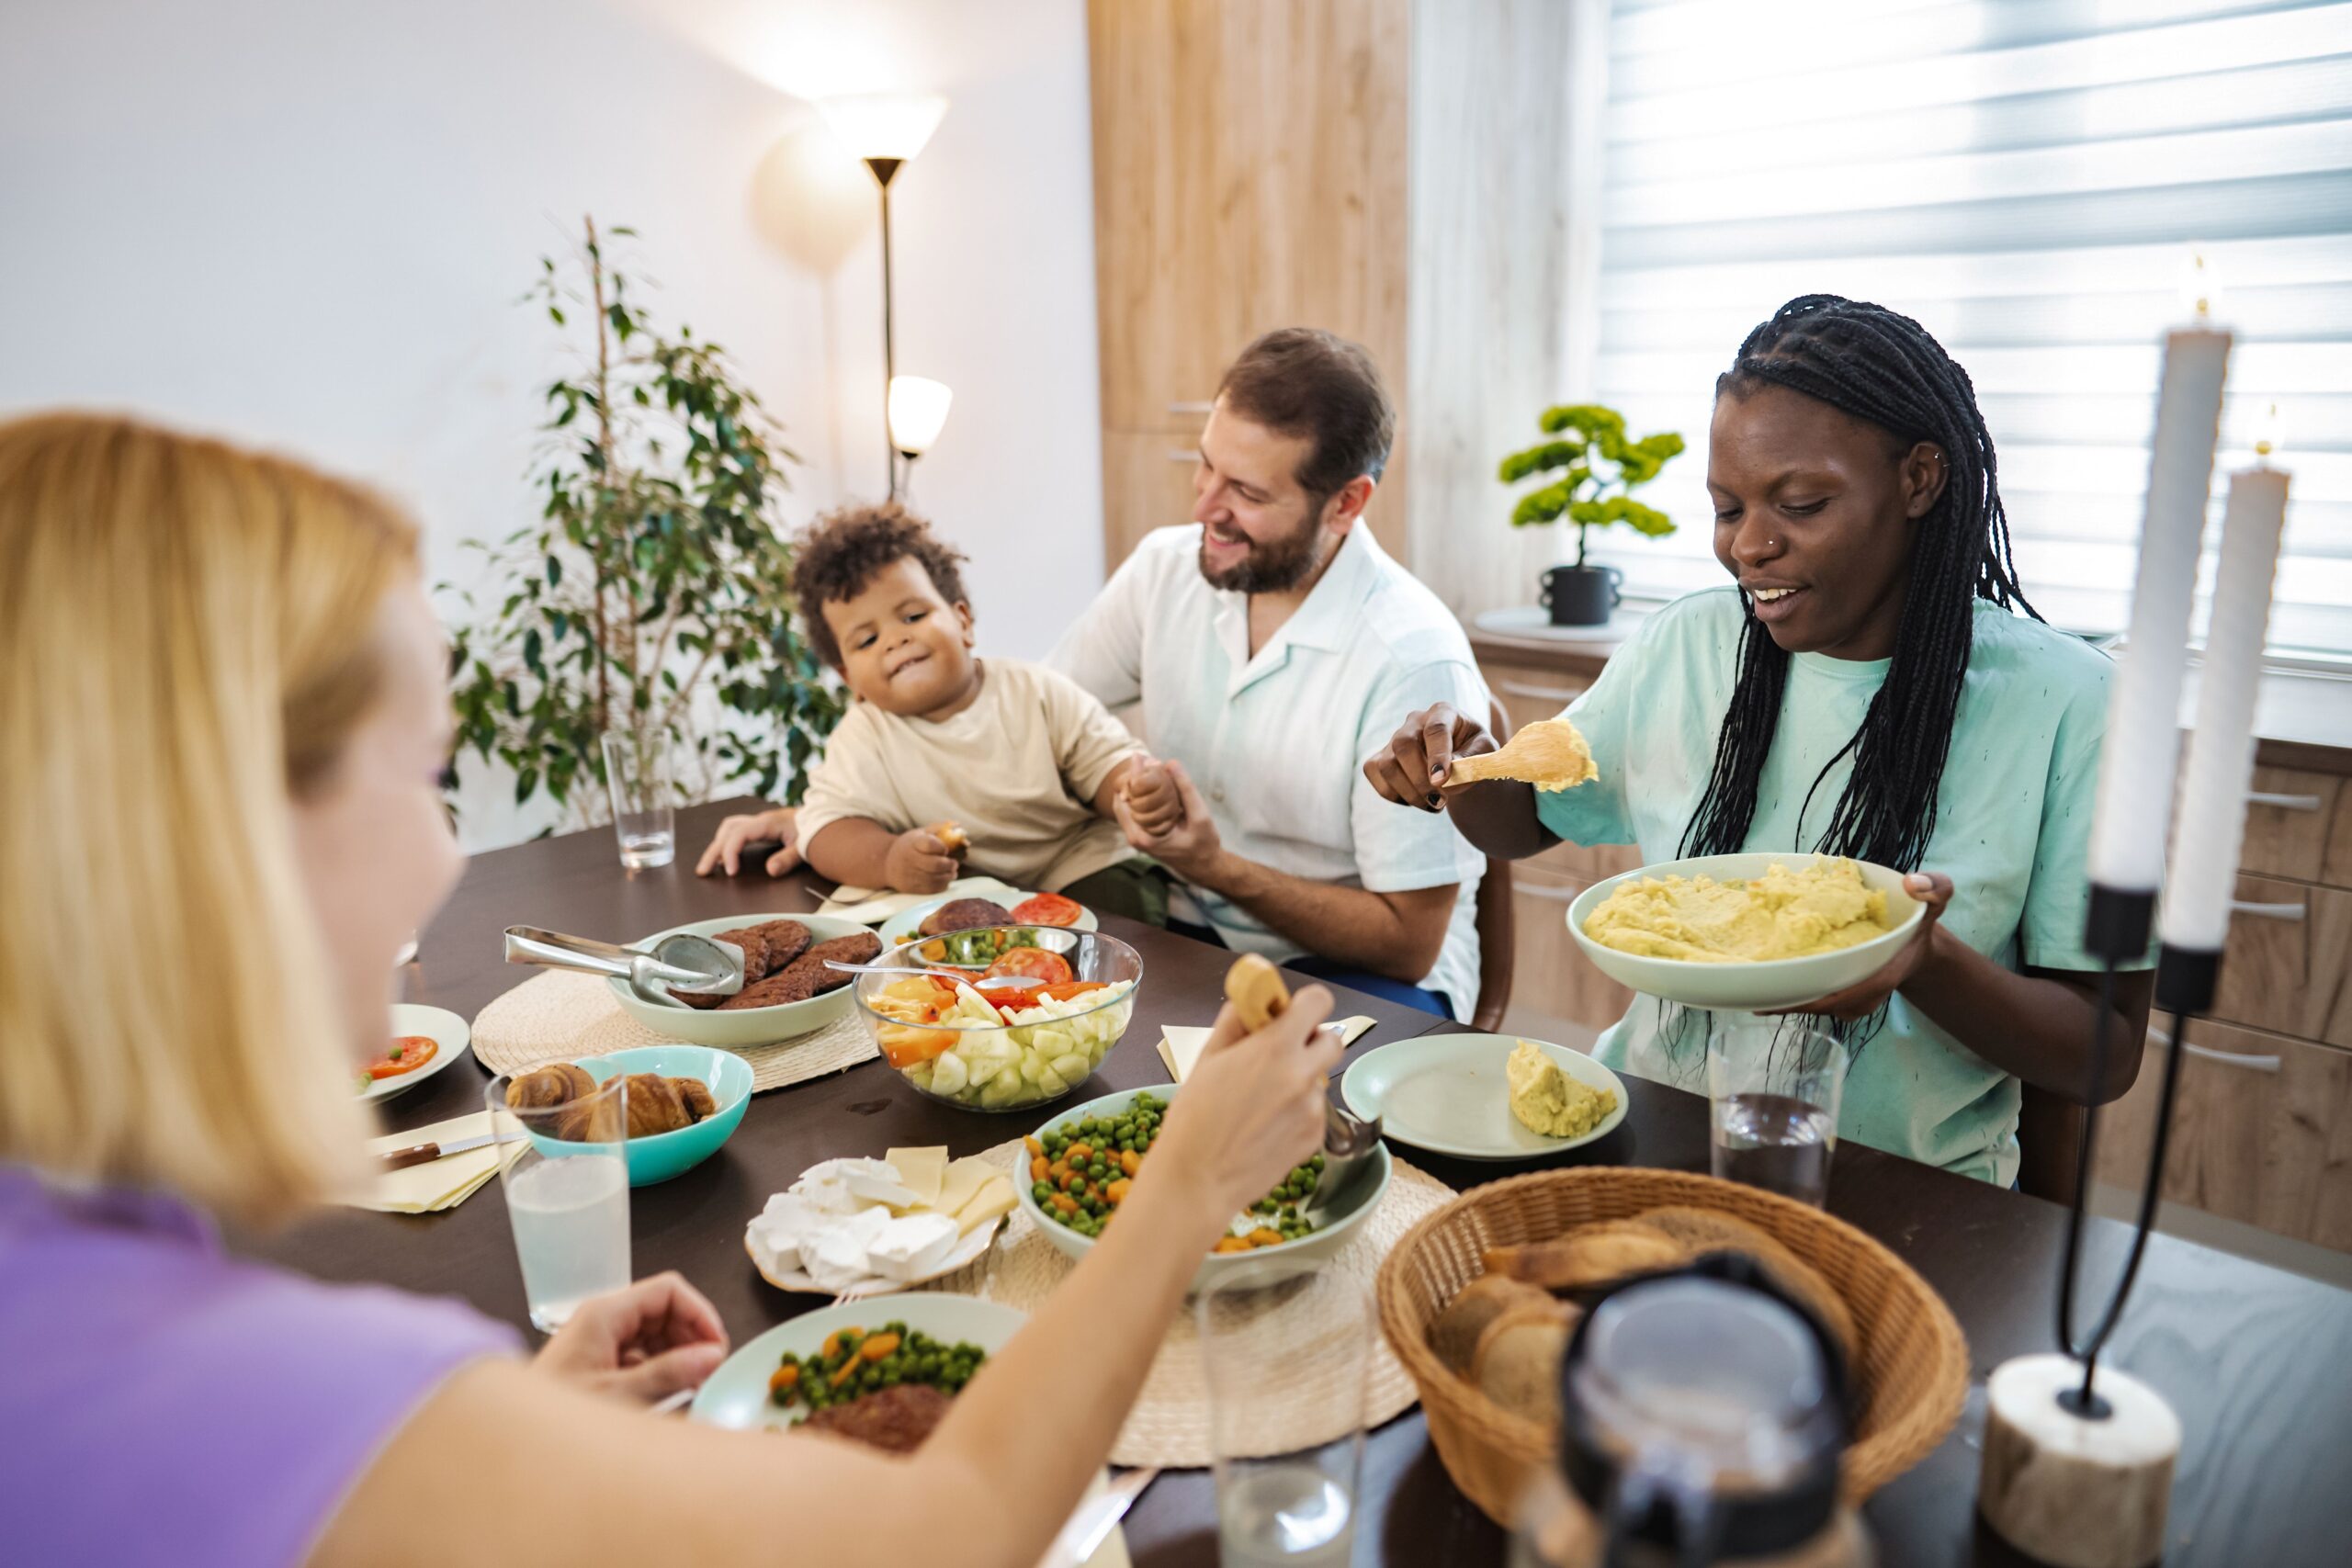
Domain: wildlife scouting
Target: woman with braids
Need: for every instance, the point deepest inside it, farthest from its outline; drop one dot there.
(1872, 684)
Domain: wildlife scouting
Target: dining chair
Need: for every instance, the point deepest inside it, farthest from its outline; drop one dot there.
(1495, 921)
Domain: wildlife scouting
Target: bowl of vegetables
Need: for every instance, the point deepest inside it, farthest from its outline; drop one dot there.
(1000, 1018)
(1082, 1165)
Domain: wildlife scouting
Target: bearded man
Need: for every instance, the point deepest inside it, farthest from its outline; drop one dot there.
(1272, 643)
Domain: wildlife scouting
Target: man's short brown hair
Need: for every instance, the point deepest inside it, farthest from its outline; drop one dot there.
(842, 551)
(1304, 382)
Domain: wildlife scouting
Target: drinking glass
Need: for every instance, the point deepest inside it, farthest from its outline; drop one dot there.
(567, 1193)
(1286, 1357)
(637, 774)
(1772, 1093)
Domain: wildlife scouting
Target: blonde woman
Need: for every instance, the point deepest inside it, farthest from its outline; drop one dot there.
(222, 720)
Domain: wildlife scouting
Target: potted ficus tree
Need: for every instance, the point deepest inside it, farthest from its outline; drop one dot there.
(1602, 469)
(651, 597)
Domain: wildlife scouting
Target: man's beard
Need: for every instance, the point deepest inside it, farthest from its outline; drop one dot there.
(1275, 567)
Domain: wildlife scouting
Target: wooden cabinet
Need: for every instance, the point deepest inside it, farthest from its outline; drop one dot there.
(2288, 964)
(2261, 1132)
(2299, 824)
(1147, 484)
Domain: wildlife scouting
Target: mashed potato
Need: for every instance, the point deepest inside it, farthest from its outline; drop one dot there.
(1547, 1100)
(1782, 914)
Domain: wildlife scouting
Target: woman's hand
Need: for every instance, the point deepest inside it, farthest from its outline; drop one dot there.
(737, 833)
(1412, 770)
(643, 1343)
(1934, 890)
(1252, 1105)
(918, 861)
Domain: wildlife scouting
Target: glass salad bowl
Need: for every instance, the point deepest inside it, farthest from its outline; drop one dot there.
(999, 1048)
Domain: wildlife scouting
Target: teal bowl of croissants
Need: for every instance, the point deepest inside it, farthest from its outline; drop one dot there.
(683, 1102)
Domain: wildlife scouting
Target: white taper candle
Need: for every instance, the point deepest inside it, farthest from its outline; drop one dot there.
(2143, 712)
(2204, 866)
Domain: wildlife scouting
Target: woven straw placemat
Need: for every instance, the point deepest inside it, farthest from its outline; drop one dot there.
(564, 1014)
(1169, 1425)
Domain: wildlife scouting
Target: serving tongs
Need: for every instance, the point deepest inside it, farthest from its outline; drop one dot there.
(675, 963)
(1255, 991)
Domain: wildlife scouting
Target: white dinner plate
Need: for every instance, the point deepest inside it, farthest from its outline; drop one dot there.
(449, 1031)
(1447, 1093)
(967, 1251)
(907, 924)
(737, 1394)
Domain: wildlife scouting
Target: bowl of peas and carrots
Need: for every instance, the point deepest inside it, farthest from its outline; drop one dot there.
(1082, 1164)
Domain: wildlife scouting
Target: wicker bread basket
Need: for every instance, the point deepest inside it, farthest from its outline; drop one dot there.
(1911, 1374)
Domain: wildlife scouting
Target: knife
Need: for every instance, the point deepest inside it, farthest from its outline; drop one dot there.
(1095, 1519)
(418, 1153)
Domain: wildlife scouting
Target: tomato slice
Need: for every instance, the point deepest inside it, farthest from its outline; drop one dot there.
(1069, 989)
(1047, 909)
(1036, 963)
(404, 1055)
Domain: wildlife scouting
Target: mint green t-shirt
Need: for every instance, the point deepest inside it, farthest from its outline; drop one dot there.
(2013, 823)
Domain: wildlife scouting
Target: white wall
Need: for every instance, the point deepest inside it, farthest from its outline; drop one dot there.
(305, 223)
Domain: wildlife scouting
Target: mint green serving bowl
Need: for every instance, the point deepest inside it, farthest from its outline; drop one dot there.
(665, 1155)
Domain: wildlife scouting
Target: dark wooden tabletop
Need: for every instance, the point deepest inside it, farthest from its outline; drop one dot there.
(2257, 1362)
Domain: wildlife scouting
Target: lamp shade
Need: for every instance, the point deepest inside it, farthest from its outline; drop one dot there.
(918, 409)
(895, 125)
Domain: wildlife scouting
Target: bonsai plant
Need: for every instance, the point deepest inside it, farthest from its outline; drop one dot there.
(653, 594)
(1603, 469)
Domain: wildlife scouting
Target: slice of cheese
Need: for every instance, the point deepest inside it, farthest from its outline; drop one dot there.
(920, 1172)
(962, 1181)
(992, 1202)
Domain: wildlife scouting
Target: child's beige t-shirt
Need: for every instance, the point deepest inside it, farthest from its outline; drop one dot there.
(1018, 769)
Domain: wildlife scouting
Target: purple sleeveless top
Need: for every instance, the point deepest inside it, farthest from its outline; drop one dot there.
(161, 1403)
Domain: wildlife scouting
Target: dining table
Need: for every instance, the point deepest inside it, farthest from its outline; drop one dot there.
(2257, 1361)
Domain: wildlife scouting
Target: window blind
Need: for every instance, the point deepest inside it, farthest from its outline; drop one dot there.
(2030, 179)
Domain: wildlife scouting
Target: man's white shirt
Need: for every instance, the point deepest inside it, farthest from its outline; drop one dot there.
(1276, 743)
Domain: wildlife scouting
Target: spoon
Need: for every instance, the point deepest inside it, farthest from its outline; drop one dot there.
(681, 963)
(985, 983)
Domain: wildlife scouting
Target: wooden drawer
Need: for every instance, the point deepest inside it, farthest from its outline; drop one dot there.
(2288, 965)
(2298, 825)
(2262, 1132)
(1551, 974)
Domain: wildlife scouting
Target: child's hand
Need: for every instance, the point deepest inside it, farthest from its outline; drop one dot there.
(1154, 802)
(919, 862)
(736, 833)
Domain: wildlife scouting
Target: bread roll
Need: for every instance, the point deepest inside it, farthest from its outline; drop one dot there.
(1256, 991)
(1588, 1256)
(1454, 1335)
(1517, 1363)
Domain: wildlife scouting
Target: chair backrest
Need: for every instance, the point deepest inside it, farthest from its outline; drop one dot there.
(2050, 1142)
(1496, 933)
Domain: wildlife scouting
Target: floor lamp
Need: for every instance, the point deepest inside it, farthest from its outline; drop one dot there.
(886, 130)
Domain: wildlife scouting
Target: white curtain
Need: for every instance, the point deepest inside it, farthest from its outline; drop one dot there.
(2029, 178)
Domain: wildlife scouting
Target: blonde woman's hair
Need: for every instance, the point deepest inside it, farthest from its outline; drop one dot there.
(186, 640)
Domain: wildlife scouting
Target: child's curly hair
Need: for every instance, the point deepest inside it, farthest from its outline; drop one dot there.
(841, 551)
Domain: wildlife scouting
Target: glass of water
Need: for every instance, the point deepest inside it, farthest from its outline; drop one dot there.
(636, 775)
(1286, 1359)
(567, 1194)
(1772, 1093)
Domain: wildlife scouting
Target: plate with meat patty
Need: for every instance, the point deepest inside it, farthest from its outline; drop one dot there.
(929, 1344)
(788, 991)
(941, 916)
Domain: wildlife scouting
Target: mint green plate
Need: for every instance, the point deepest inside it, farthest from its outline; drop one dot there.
(737, 1394)
(1446, 1093)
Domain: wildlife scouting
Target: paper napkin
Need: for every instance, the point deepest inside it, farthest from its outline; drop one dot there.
(437, 1184)
(870, 906)
(1180, 1047)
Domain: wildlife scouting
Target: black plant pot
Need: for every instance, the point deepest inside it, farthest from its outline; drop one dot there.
(1582, 595)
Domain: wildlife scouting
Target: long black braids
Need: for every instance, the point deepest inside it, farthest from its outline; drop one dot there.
(1885, 370)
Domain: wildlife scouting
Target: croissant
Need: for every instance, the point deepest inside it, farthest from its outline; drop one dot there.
(558, 1083)
(656, 1104)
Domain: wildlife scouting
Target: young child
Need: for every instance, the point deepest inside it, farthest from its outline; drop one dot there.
(1024, 761)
